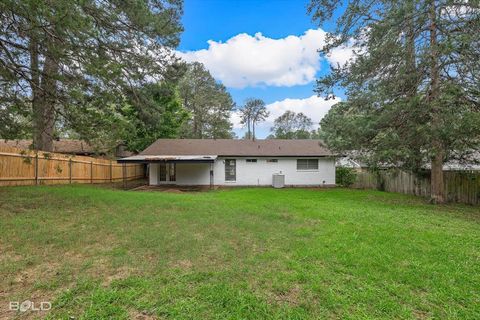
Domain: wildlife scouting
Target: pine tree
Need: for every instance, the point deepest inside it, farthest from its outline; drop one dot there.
(291, 125)
(161, 115)
(412, 85)
(208, 102)
(253, 112)
(59, 56)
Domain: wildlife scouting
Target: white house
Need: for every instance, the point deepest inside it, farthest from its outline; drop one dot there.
(227, 162)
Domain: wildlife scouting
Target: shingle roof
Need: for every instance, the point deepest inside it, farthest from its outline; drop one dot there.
(60, 146)
(230, 147)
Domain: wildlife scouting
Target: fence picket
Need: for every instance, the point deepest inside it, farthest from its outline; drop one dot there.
(460, 186)
(27, 167)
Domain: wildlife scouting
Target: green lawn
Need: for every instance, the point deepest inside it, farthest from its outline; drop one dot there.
(253, 253)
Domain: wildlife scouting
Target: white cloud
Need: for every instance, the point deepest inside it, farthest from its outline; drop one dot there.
(246, 60)
(314, 107)
(340, 55)
(235, 120)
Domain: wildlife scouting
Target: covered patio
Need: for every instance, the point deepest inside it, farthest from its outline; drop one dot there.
(177, 170)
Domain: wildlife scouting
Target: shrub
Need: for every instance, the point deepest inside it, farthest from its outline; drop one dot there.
(345, 177)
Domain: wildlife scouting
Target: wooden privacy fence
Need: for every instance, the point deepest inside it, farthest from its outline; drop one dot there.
(25, 167)
(460, 186)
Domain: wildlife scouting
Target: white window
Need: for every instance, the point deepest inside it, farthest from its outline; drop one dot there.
(251, 160)
(307, 164)
(173, 172)
(272, 160)
(230, 170)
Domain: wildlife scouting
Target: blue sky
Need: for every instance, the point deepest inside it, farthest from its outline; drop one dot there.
(263, 49)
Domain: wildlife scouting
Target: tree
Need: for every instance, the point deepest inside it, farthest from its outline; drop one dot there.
(291, 125)
(260, 113)
(63, 56)
(208, 102)
(345, 177)
(246, 116)
(412, 84)
(161, 116)
(252, 113)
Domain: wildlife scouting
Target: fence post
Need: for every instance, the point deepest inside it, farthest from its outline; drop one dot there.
(124, 173)
(111, 171)
(91, 172)
(36, 169)
(70, 170)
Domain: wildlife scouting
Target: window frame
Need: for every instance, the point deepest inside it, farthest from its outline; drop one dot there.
(228, 174)
(309, 165)
(251, 160)
(162, 172)
(172, 172)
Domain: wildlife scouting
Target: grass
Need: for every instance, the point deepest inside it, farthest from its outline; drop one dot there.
(252, 253)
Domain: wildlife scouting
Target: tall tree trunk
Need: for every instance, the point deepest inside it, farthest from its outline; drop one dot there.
(249, 134)
(411, 85)
(44, 94)
(437, 183)
(43, 104)
(195, 121)
(37, 113)
(253, 130)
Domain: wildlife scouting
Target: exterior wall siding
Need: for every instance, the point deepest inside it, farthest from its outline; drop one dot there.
(153, 174)
(189, 174)
(253, 173)
(260, 173)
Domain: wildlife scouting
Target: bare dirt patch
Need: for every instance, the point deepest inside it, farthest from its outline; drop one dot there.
(421, 315)
(136, 315)
(182, 264)
(290, 296)
(118, 274)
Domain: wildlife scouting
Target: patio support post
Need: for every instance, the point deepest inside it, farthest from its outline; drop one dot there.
(36, 168)
(124, 175)
(211, 175)
(70, 170)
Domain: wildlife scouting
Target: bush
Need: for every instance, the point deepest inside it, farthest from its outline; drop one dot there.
(345, 177)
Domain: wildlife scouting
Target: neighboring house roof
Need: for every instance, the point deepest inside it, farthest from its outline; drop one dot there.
(348, 162)
(230, 147)
(471, 163)
(69, 146)
(60, 146)
(455, 166)
(120, 152)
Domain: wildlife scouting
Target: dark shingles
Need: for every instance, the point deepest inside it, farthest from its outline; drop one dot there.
(230, 147)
